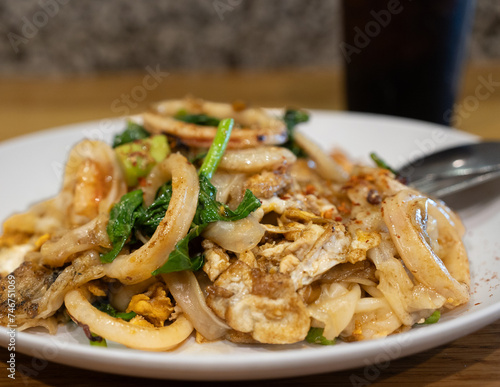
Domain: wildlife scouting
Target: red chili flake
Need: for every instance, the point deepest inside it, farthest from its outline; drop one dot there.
(310, 189)
(343, 208)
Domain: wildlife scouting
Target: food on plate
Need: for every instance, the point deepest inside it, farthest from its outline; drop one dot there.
(221, 221)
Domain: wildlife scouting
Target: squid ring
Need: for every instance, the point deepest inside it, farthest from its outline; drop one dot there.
(138, 266)
(123, 332)
(405, 215)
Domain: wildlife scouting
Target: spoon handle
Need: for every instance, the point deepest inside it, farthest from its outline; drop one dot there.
(458, 172)
(453, 184)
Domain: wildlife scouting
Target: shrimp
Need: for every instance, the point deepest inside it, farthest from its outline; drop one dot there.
(93, 181)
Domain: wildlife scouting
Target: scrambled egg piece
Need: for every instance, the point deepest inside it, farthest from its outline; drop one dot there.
(216, 259)
(262, 304)
(141, 321)
(40, 241)
(363, 242)
(268, 184)
(153, 306)
(97, 288)
(308, 251)
(13, 239)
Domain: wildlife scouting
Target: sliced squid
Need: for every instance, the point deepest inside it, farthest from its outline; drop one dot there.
(254, 125)
(327, 168)
(406, 216)
(138, 266)
(256, 159)
(123, 332)
(92, 235)
(189, 296)
(93, 182)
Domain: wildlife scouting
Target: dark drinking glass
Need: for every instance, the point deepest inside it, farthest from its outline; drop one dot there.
(405, 57)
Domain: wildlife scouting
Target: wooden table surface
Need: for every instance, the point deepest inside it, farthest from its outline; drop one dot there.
(29, 105)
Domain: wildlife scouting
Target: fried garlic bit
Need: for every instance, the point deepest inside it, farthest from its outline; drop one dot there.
(152, 307)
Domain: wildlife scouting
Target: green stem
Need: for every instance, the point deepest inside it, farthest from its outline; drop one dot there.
(98, 343)
(217, 148)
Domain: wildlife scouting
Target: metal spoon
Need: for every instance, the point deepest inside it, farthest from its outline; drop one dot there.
(454, 169)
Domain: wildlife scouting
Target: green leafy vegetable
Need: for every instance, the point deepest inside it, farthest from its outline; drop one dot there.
(121, 221)
(147, 220)
(198, 119)
(132, 132)
(433, 318)
(315, 336)
(97, 341)
(216, 150)
(292, 118)
(209, 209)
(381, 163)
(108, 309)
(179, 258)
(129, 215)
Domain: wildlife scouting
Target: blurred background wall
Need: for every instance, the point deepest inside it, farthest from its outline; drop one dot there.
(67, 37)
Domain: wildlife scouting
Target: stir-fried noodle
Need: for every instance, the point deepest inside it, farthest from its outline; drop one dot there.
(271, 240)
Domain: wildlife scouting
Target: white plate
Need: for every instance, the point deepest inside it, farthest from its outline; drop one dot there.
(31, 169)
